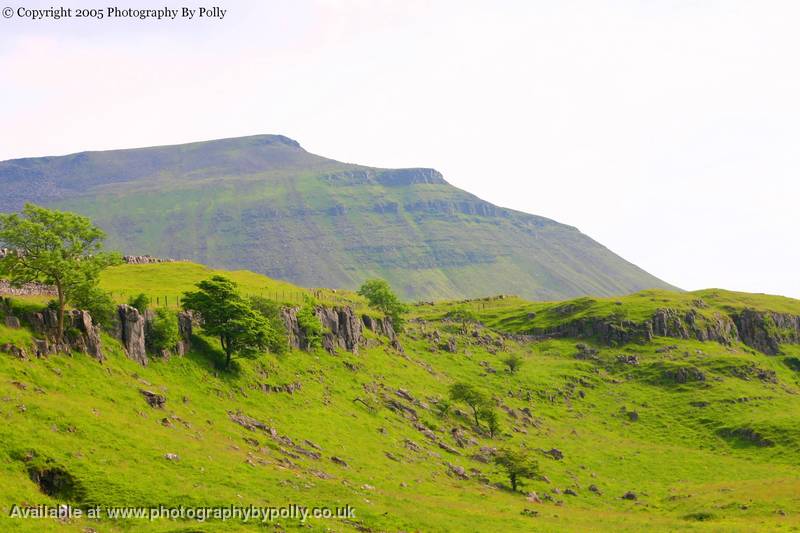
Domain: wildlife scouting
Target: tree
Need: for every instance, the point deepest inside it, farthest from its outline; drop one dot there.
(380, 296)
(513, 362)
(517, 464)
(475, 399)
(489, 415)
(141, 302)
(163, 333)
(229, 317)
(56, 248)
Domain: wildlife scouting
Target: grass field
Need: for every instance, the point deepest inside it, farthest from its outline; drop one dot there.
(717, 454)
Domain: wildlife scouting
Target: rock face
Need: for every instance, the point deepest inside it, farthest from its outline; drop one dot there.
(380, 326)
(80, 333)
(185, 320)
(767, 331)
(764, 331)
(344, 328)
(131, 333)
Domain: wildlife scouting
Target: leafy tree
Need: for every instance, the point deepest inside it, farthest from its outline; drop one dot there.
(517, 464)
(141, 302)
(163, 333)
(54, 247)
(380, 296)
(513, 362)
(475, 399)
(271, 310)
(97, 302)
(228, 316)
(309, 322)
(489, 415)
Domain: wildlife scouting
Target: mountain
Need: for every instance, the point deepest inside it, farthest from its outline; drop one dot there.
(265, 204)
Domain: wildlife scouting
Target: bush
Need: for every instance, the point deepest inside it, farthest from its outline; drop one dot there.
(310, 324)
(140, 302)
(98, 303)
(513, 362)
(163, 333)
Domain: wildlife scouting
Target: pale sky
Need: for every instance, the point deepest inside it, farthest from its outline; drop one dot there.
(667, 130)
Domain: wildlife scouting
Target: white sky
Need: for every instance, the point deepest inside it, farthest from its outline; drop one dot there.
(667, 130)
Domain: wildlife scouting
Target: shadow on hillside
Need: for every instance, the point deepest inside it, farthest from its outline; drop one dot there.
(209, 355)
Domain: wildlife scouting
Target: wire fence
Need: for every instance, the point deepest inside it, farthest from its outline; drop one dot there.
(285, 297)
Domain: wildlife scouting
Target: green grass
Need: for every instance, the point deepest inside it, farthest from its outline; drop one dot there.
(166, 282)
(687, 456)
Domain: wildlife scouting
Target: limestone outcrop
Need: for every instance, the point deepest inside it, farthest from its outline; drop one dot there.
(131, 332)
(344, 328)
(764, 331)
(80, 333)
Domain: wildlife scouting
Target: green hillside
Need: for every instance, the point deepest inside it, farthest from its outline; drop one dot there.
(264, 204)
(703, 435)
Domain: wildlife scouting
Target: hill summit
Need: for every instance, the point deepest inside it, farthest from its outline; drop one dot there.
(265, 204)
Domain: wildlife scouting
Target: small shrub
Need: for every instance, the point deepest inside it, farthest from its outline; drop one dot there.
(513, 362)
(141, 302)
(98, 303)
(310, 324)
(164, 333)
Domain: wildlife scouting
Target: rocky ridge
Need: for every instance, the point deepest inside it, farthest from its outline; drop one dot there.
(764, 331)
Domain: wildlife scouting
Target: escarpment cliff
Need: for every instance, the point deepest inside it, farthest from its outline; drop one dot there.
(764, 331)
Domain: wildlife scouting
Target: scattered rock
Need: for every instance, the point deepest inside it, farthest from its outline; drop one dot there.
(153, 399)
(555, 453)
(172, 457)
(457, 471)
(595, 489)
(14, 350)
(339, 461)
(571, 492)
(630, 495)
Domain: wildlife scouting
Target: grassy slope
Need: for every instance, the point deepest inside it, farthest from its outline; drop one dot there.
(264, 204)
(91, 420)
(167, 281)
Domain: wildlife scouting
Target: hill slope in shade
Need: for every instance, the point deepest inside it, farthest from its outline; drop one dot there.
(265, 204)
